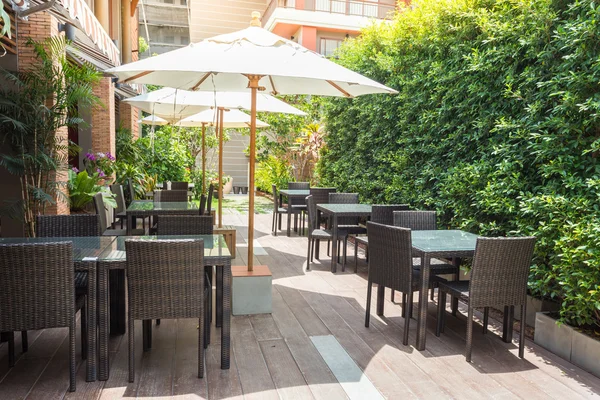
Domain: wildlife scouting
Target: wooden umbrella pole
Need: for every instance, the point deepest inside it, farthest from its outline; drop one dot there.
(253, 85)
(203, 158)
(220, 125)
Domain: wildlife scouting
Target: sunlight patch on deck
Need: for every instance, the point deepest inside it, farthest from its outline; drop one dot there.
(349, 375)
(258, 249)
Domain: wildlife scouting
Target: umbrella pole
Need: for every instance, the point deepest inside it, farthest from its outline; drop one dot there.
(220, 124)
(203, 158)
(253, 85)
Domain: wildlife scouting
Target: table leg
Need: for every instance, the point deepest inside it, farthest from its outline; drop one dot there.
(422, 318)
(117, 302)
(226, 317)
(456, 262)
(289, 218)
(103, 323)
(334, 244)
(92, 328)
(219, 302)
(130, 220)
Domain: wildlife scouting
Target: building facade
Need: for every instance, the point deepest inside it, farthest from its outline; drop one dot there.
(103, 33)
(164, 24)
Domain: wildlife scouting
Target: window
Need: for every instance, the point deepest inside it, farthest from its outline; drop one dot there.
(169, 39)
(328, 46)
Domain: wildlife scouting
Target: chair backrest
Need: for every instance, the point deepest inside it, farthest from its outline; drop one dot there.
(101, 211)
(345, 198)
(170, 196)
(211, 189)
(117, 190)
(179, 186)
(311, 208)
(390, 259)
(321, 195)
(202, 208)
(131, 190)
(384, 213)
(297, 201)
(67, 225)
(184, 225)
(500, 271)
(163, 278)
(275, 199)
(416, 220)
(37, 281)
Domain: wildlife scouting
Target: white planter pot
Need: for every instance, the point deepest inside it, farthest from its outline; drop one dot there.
(567, 343)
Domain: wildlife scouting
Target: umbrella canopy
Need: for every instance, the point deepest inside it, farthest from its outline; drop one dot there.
(177, 104)
(231, 119)
(154, 120)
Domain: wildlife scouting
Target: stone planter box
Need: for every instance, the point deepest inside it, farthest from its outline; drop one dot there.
(566, 342)
(534, 306)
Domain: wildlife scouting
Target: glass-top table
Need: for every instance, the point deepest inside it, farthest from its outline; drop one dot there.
(454, 244)
(83, 247)
(114, 257)
(292, 194)
(341, 210)
(145, 208)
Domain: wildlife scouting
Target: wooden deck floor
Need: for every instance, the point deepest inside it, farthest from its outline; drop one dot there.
(273, 356)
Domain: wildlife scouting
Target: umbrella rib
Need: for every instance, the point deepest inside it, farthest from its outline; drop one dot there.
(274, 92)
(137, 76)
(201, 81)
(335, 85)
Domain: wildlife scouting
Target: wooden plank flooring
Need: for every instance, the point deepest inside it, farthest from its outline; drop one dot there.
(273, 356)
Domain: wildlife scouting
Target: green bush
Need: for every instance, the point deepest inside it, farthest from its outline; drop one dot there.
(272, 170)
(495, 126)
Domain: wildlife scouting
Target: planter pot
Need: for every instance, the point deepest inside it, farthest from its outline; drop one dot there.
(227, 187)
(535, 305)
(567, 343)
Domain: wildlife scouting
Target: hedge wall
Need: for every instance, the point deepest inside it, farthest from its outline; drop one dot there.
(496, 126)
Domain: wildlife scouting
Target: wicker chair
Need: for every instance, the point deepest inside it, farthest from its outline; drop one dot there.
(381, 214)
(170, 196)
(202, 207)
(38, 292)
(120, 212)
(131, 190)
(390, 265)
(211, 189)
(164, 281)
(178, 186)
(277, 211)
(298, 204)
(424, 221)
(316, 234)
(498, 279)
(103, 217)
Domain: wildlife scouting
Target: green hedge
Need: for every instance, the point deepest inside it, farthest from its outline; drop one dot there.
(496, 126)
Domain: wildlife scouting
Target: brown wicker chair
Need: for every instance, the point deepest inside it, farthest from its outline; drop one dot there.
(417, 220)
(39, 274)
(164, 281)
(381, 214)
(277, 211)
(170, 196)
(120, 212)
(498, 279)
(178, 186)
(103, 217)
(390, 265)
(211, 190)
(298, 205)
(316, 234)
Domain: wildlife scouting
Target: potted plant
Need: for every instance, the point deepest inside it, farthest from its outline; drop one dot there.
(82, 189)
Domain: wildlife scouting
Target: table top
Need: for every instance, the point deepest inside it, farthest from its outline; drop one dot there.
(439, 241)
(295, 192)
(83, 247)
(149, 205)
(214, 246)
(351, 209)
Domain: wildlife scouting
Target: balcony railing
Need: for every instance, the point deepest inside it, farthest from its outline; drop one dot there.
(361, 8)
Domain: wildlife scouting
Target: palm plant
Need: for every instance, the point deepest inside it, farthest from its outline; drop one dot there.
(43, 100)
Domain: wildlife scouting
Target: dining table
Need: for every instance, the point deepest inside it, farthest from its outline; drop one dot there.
(114, 257)
(334, 211)
(86, 251)
(148, 208)
(292, 194)
(428, 244)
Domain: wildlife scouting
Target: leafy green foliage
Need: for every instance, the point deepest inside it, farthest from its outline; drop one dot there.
(495, 126)
(83, 188)
(4, 17)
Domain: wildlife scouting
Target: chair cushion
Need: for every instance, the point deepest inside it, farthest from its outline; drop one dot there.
(282, 210)
(327, 234)
(353, 229)
(456, 288)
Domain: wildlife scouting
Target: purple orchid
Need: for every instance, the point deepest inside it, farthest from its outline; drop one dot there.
(90, 156)
(101, 173)
(110, 157)
(74, 169)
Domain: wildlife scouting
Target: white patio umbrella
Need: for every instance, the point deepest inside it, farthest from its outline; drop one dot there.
(252, 59)
(154, 120)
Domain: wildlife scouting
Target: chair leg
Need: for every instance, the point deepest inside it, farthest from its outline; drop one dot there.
(432, 293)
(380, 299)
(317, 249)
(522, 332)
(441, 307)
(328, 248)
(11, 349)
(279, 221)
(407, 319)
(201, 348)
(403, 305)
(469, 334)
(368, 308)
(507, 326)
(308, 254)
(131, 348)
(355, 257)
(486, 313)
(158, 322)
(24, 341)
(72, 361)
(84, 332)
(392, 295)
